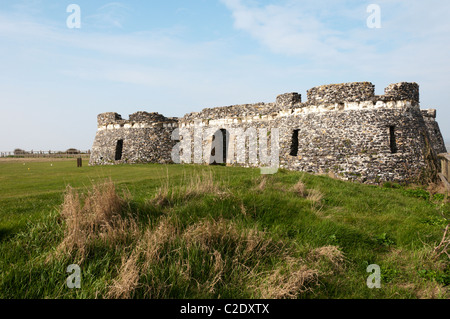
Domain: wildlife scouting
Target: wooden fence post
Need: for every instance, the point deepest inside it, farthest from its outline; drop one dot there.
(445, 169)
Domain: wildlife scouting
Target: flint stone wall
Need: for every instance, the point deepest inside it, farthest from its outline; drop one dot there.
(437, 141)
(146, 139)
(354, 144)
(342, 128)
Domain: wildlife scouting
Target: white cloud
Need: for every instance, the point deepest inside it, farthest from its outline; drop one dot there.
(332, 33)
(413, 44)
(110, 15)
(283, 29)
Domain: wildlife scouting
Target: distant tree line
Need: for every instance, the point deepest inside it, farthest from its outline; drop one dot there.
(70, 151)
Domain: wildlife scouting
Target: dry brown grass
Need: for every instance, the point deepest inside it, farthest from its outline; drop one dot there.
(96, 218)
(157, 243)
(149, 251)
(300, 189)
(437, 188)
(243, 209)
(288, 279)
(206, 233)
(262, 184)
(443, 246)
(93, 217)
(425, 289)
(332, 175)
(211, 233)
(314, 195)
(331, 254)
(245, 249)
(163, 196)
(219, 267)
(430, 290)
(127, 281)
(154, 240)
(288, 282)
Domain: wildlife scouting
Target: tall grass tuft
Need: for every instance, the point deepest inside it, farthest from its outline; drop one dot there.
(207, 255)
(288, 281)
(127, 281)
(331, 254)
(95, 217)
(300, 189)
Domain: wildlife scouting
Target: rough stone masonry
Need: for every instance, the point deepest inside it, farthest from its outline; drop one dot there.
(341, 128)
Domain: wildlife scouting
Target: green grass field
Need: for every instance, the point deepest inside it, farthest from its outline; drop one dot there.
(179, 231)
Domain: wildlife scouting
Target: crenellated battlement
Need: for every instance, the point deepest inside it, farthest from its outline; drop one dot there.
(344, 96)
(288, 99)
(402, 91)
(340, 93)
(138, 119)
(333, 97)
(145, 117)
(362, 91)
(108, 118)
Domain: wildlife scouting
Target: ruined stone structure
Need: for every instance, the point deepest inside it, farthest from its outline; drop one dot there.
(343, 128)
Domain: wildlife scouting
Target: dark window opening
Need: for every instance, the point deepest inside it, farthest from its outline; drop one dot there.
(119, 149)
(224, 144)
(294, 144)
(392, 141)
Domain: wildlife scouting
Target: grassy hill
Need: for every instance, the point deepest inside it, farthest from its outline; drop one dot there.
(154, 231)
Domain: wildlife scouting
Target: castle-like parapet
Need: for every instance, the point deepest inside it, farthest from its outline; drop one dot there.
(108, 118)
(146, 117)
(361, 92)
(288, 99)
(139, 119)
(340, 93)
(403, 91)
(324, 98)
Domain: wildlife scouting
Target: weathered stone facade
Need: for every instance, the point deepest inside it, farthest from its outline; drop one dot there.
(343, 128)
(144, 138)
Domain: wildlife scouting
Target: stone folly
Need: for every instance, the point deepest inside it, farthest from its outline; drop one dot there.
(341, 128)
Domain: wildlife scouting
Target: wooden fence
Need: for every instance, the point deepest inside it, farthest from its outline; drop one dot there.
(45, 154)
(445, 169)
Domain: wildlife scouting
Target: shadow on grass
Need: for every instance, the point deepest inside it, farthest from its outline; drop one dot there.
(6, 233)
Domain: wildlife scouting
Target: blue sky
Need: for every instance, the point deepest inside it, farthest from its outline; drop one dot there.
(175, 57)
